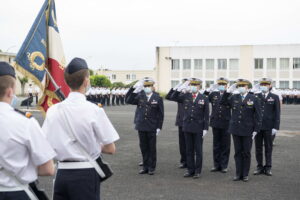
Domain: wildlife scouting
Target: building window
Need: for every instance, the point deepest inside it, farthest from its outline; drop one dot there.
(234, 64)
(198, 64)
(127, 76)
(186, 64)
(208, 83)
(296, 63)
(284, 84)
(271, 63)
(222, 64)
(113, 77)
(232, 82)
(255, 82)
(284, 63)
(175, 64)
(258, 63)
(210, 63)
(133, 76)
(174, 83)
(296, 84)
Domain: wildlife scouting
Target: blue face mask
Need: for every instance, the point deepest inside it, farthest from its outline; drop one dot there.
(194, 89)
(147, 90)
(264, 89)
(221, 88)
(14, 102)
(242, 90)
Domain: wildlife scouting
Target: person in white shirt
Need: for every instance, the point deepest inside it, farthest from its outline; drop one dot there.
(92, 130)
(24, 151)
(36, 93)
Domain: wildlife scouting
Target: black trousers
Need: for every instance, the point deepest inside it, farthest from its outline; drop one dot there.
(77, 184)
(182, 146)
(221, 147)
(242, 155)
(194, 147)
(148, 149)
(18, 195)
(265, 138)
(117, 100)
(113, 99)
(108, 100)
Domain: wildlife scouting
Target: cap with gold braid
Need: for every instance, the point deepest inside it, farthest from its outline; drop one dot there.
(242, 81)
(148, 81)
(222, 80)
(265, 81)
(195, 81)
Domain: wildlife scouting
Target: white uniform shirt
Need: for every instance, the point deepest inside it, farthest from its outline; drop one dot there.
(37, 89)
(29, 90)
(23, 147)
(90, 123)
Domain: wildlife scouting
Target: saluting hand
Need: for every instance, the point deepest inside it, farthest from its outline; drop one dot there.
(157, 131)
(253, 135)
(231, 88)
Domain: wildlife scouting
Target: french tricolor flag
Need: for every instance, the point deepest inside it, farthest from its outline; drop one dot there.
(42, 50)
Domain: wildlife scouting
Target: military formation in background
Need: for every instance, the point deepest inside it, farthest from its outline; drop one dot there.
(107, 96)
(289, 96)
(245, 113)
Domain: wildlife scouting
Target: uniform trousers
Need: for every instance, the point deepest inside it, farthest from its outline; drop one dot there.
(182, 145)
(194, 147)
(18, 195)
(148, 149)
(221, 147)
(242, 155)
(264, 137)
(77, 184)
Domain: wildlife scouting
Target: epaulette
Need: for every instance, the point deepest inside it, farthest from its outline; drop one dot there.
(26, 114)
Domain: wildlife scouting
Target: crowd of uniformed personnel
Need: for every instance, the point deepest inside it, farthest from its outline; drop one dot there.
(107, 96)
(247, 114)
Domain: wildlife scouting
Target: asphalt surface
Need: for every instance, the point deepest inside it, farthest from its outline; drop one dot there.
(168, 182)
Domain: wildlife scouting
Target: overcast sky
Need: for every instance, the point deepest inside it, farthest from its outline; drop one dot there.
(123, 34)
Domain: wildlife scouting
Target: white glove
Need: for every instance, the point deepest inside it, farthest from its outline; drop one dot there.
(157, 131)
(213, 87)
(274, 131)
(184, 86)
(256, 89)
(232, 88)
(204, 133)
(138, 89)
(253, 135)
(138, 84)
(177, 86)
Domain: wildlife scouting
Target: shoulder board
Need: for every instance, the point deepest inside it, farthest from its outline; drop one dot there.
(26, 114)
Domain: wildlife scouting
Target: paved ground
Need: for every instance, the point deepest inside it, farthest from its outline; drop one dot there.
(168, 182)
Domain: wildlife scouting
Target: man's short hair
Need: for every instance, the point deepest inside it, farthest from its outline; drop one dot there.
(5, 83)
(75, 80)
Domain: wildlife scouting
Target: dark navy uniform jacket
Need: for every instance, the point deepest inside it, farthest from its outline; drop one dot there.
(180, 110)
(220, 114)
(149, 115)
(196, 113)
(246, 115)
(270, 107)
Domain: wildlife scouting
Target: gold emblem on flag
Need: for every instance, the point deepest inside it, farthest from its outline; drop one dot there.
(33, 64)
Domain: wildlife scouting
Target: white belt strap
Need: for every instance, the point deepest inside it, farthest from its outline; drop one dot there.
(71, 134)
(10, 189)
(74, 165)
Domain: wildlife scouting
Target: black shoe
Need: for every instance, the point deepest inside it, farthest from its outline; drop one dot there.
(143, 171)
(214, 169)
(246, 179)
(151, 172)
(196, 176)
(186, 175)
(268, 172)
(224, 170)
(258, 172)
(182, 166)
(236, 178)
(141, 163)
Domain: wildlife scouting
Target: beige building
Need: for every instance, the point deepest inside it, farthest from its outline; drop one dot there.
(125, 76)
(279, 62)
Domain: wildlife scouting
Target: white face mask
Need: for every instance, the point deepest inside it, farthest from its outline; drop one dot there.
(242, 90)
(194, 89)
(264, 89)
(147, 90)
(221, 88)
(15, 102)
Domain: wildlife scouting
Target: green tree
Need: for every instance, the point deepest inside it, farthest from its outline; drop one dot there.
(100, 81)
(23, 82)
(118, 85)
(91, 72)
